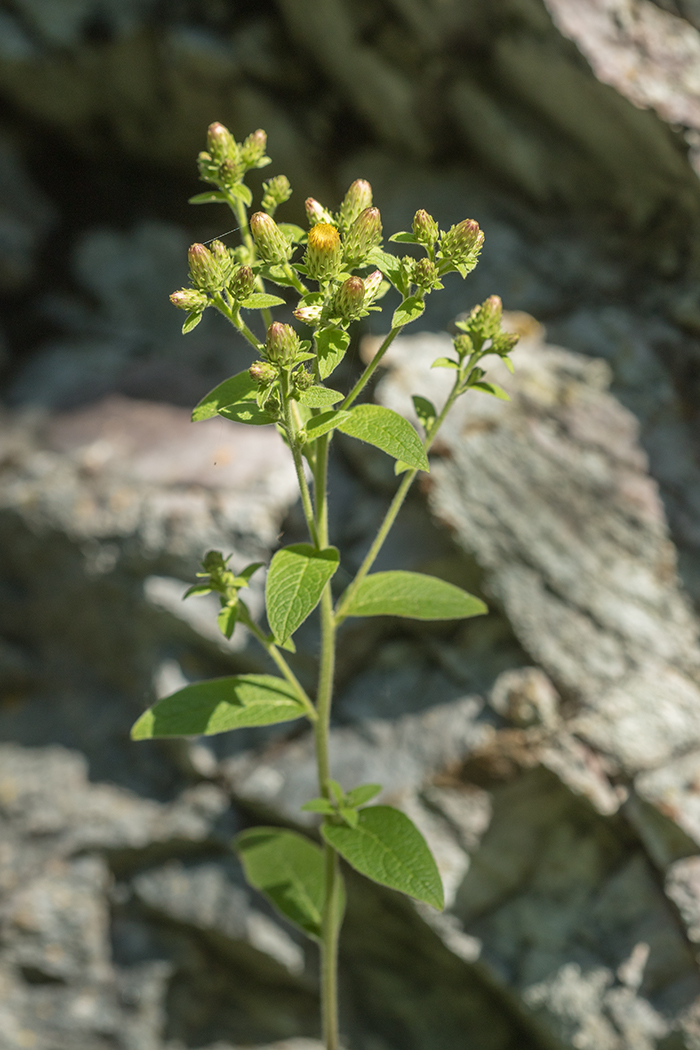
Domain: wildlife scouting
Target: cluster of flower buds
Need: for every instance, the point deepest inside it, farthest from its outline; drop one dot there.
(275, 192)
(364, 234)
(252, 150)
(282, 344)
(425, 229)
(263, 372)
(225, 259)
(225, 161)
(484, 323)
(323, 252)
(303, 380)
(461, 245)
(356, 200)
(190, 299)
(315, 212)
(424, 274)
(272, 245)
(206, 271)
(242, 283)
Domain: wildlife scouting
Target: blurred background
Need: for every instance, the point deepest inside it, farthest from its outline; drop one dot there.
(551, 752)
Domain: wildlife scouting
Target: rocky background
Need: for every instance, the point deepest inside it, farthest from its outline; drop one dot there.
(551, 751)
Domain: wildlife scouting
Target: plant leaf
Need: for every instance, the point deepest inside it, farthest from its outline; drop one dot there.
(192, 320)
(491, 388)
(388, 848)
(261, 301)
(390, 265)
(318, 425)
(444, 362)
(212, 197)
(292, 232)
(364, 793)
(319, 397)
(318, 805)
(413, 594)
(349, 815)
(387, 430)
(236, 398)
(240, 190)
(403, 237)
(288, 868)
(227, 620)
(409, 310)
(509, 364)
(331, 344)
(220, 704)
(295, 580)
(425, 410)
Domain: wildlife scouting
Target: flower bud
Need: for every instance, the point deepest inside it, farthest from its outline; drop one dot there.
(425, 275)
(303, 379)
(205, 270)
(364, 234)
(269, 239)
(492, 312)
(463, 345)
(189, 299)
(315, 212)
(220, 142)
(242, 283)
(253, 148)
(282, 343)
(372, 285)
(462, 240)
(275, 192)
(310, 315)
(230, 171)
(358, 197)
(224, 259)
(349, 298)
(323, 252)
(263, 372)
(425, 229)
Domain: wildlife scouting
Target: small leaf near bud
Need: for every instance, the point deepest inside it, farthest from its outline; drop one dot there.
(358, 197)
(323, 254)
(425, 229)
(271, 243)
(205, 270)
(364, 234)
(282, 343)
(315, 212)
(242, 283)
(263, 372)
(349, 298)
(275, 192)
(189, 299)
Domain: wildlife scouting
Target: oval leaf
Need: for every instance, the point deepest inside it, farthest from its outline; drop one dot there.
(289, 870)
(240, 190)
(387, 430)
(295, 581)
(220, 704)
(191, 321)
(261, 301)
(403, 237)
(319, 397)
(491, 388)
(236, 398)
(388, 848)
(318, 425)
(409, 310)
(413, 594)
(212, 197)
(331, 344)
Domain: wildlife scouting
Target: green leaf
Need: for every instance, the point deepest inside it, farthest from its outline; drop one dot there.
(336, 790)
(331, 344)
(212, 197)
(289, 870)
(191, 321)
(412, 594)
(227, 620)
(246, 573)
(318, 805)
(403, 237)
(236, 398)
(387, 430)
(220, 704)
(364, 793)
(509, 364)
(295, 580)
(444, 362)
(319, 425)
(293, 233)
(491, 388)
(425, 410)
(197, 588)
(241, 191)
(409, 310)
(319, 397)
(389, 265)
(261, 301)
(400, 468)
(388, 848)
(349, 815)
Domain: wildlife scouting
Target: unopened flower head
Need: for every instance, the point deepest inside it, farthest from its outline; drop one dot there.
(303, 379)
(425, 229)
(242, 283)
(358, 197)
(253, 148)
(224, 258)
(425, 275)
(364, 234)
(189, 299)
(462, 240)
(309, 314)
(323, 252)
(275, 192)
(221, 143)
(263, 372)
(315, 212)
(349, 299)
(271, 243)
(205, 270)
(372, 285)
(282, 343)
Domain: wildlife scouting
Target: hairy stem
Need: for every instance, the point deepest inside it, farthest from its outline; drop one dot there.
(330, 929)
(370, 369)
(282, 664)
(236, 320)
(288, 423)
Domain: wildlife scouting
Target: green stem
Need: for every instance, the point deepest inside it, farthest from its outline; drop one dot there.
(394, 508)
(293, 277)
(371, 367)
(282, 664)
(330, 930)
(241, 213)
(236, 320)
(288, 423)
